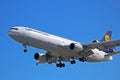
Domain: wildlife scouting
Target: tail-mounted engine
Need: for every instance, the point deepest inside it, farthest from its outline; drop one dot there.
(95, 41)
(76, 46)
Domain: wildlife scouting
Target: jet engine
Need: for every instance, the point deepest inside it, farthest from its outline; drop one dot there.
(95, 41)
(41, 58)
(38, 56)
(76, 46)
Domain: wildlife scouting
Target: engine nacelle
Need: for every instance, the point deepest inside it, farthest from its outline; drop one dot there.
(38, 55)
(76, 47)
(95, 41)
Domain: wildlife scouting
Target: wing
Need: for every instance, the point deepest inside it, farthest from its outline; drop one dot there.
(86, 52)
(102, 45)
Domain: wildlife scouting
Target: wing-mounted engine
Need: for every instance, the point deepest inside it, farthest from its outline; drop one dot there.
(95, 41)
(45, 58)
(40, 57)
(76, 47)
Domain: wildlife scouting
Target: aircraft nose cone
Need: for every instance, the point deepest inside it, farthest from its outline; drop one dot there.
(10, 33)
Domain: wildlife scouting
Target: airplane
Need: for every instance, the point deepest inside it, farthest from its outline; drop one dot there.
(60, 50)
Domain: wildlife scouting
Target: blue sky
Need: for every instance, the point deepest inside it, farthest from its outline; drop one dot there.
(79, 20)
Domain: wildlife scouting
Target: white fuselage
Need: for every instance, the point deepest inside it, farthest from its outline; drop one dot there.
(51, 43)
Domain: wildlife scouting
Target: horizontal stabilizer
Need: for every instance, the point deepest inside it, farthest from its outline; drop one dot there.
(103, 45)
(114, 53)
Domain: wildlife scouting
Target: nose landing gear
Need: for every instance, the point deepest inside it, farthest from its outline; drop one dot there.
(25, 48)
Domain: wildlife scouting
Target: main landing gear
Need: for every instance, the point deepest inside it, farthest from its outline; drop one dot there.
(72, 62)
(83, 59)
(60, 65)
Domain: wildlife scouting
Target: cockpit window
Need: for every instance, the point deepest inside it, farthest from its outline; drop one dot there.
(14, 28)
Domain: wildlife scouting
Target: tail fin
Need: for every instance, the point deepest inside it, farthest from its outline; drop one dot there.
(107, 36)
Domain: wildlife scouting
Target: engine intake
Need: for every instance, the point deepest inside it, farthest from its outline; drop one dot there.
(72, 46)
(95, 41)
(36, 56)
(76, 47)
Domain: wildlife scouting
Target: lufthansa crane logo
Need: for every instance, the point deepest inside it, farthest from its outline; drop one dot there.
(107, 37)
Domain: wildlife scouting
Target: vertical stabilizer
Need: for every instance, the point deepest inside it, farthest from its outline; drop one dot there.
(107, 36)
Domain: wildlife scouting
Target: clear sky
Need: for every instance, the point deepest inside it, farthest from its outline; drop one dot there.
(79, 20)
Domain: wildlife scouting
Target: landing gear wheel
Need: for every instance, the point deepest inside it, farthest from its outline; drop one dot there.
(72, 62)
(57, 65)
(60, 65)
(82, 59)
(25, 50)
(63, 65)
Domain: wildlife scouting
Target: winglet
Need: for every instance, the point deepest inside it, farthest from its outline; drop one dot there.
(107, 36)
